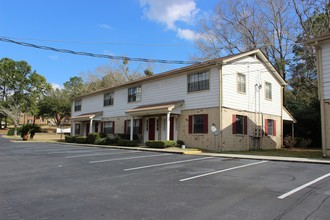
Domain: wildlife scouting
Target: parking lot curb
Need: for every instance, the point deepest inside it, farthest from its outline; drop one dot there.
(197, 152)
(192, 152)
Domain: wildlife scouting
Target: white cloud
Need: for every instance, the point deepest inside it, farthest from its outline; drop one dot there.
(104, 26)
(54, 57)
(169, 12)
(56, 86)
(187, 34)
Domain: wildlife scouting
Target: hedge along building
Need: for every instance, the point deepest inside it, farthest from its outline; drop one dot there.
(240, 95)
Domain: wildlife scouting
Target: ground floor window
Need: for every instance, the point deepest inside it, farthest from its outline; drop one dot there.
(239, 124)
(270, 127)
(137, 126)
(198, 124)
(109, 127)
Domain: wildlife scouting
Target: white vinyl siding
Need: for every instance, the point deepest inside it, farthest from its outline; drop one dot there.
(326, 69)
(256, 74)
(165, 90)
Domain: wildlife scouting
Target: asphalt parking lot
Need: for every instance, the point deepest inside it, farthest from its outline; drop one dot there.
(55, 181)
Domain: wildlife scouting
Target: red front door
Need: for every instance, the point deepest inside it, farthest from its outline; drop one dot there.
(151, 129)
(171, 128)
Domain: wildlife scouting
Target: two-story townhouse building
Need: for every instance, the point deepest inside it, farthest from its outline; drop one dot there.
(322, 46)
(230, 103)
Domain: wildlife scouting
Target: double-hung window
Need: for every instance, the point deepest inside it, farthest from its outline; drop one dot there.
(270, 127)
(241, 83)
(198, 124)
(239, 124)
(77, 105)
(108, 99)
(198, 82)
(109, 127)
(137, 126)
(134, 94)
(268, 91)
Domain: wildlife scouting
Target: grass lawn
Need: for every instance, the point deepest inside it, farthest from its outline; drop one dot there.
(294, 152)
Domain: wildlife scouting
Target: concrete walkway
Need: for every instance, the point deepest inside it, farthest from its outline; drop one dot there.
(198, 152)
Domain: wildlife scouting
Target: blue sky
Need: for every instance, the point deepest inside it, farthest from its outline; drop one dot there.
(154, 29)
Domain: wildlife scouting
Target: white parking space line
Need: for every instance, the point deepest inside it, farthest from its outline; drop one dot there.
(53, 149)
(71, 152)
(221, 171)
(169, 163)
(100, 154)
(128, 158)
(303, 186)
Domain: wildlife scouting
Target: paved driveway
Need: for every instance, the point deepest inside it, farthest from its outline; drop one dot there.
(54, 181)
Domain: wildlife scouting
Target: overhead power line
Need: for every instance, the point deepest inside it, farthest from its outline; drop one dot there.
(99, 43)
(98, 55)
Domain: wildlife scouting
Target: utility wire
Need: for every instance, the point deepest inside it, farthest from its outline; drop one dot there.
(98, 55)
(98, 43)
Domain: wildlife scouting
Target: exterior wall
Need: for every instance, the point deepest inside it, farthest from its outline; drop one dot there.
(168, 89)
(201, 141)
(256, 73)
(237, 142)
(327, 127)
(326, 69)
(173, 88)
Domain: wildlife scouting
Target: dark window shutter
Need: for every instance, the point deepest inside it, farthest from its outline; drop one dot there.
(234, 124)
(245, 124)
(190, 124)
(274, 127)
(140, 128)
(205, 124)
(113, 127)
(266, 127)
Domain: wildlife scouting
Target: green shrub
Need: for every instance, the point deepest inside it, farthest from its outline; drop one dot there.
(128, 143)
(29, 129)
(70, 139)
(10, 132)
(170, 143)
(81, 139)
(102, 141)
(179, 143)
(113, 141)
(160, 144)
(92, 137)
(127, 136)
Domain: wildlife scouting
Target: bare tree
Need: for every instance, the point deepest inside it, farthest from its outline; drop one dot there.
(271, 25)
(13, 111)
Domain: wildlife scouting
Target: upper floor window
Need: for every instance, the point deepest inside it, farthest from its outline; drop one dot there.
(270, 127)
(77, 105)
(268, 90)
(241, 83)
(108, 99)
(198, 82)
(134, 94)
(198, 124)
(239, 124)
